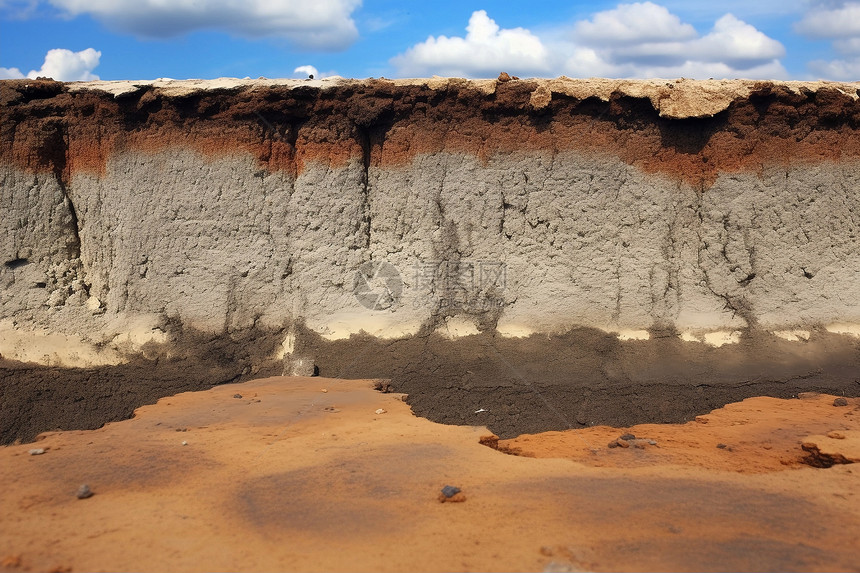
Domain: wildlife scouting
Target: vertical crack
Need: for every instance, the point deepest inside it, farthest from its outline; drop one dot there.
(74, 246)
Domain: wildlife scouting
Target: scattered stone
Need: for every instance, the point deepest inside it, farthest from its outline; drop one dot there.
(237, 396)
(627, 437)
(84, 492)
(451, 494)
(824, 454)
(324, 390)
(504, 77)
(722, 446)
(184, 443)
(652, 442)
(380, 411)
(613, 444)
(331, 409)
(834, 435)
(622, 443)
(450, 490)
(181, 429)
(37, 451)
(840, 402)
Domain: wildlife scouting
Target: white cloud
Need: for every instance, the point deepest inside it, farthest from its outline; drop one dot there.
(632, 40)
(828, 21)
(486, 50)
(61, 65)
(10, 74)
(840, 23)
(307, 71)
(320, 24)
(633, 24)
(845, 70)
(736, 43)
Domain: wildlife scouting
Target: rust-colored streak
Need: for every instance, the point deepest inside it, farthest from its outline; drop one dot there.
(46, 127)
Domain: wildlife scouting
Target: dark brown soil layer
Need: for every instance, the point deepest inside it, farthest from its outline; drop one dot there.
(582, 378)
(46, 127)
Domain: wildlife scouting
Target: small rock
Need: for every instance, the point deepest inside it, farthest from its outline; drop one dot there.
(37, 451)
(380, 411)
(504, 77)
(331, 409)
(451, 494)
(450, 490)
(834, 435)
(722, 446)
(237, 396)
(622, 443)
(84, 492)
(324, 390)
(840, 402)
(184, 443)
(652, 442)
(627, 437)
(613, 444)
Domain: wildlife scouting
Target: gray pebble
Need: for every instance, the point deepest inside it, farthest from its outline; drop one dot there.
(840, 402)
(450, 491)
(84, 492)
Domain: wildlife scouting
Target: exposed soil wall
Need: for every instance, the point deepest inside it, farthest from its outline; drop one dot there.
(290, 215)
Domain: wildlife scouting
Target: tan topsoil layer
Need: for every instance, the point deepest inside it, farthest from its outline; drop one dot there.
(316, 474)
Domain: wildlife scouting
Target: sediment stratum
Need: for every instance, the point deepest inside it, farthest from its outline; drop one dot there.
(306, 222)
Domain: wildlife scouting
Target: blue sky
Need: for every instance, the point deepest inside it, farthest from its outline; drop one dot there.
(147, 39)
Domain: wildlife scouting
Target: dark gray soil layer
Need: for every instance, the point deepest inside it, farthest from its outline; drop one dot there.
(587, 377)
(582, 378)
(36, 399)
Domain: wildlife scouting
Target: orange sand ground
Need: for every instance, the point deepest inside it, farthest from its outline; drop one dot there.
(302, 474)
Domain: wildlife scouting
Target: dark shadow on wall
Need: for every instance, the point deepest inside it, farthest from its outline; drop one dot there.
(580, 378)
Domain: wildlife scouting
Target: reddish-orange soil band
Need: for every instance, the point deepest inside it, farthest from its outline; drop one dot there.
(47, 127)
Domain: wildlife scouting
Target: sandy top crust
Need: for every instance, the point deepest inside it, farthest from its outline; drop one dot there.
(679, 98)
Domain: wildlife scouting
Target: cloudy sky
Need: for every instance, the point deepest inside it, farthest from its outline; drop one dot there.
(144, 39)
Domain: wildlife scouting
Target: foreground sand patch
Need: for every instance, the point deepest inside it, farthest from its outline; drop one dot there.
(303, 474)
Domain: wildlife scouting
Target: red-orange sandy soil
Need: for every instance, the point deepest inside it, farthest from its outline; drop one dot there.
(315, 474)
